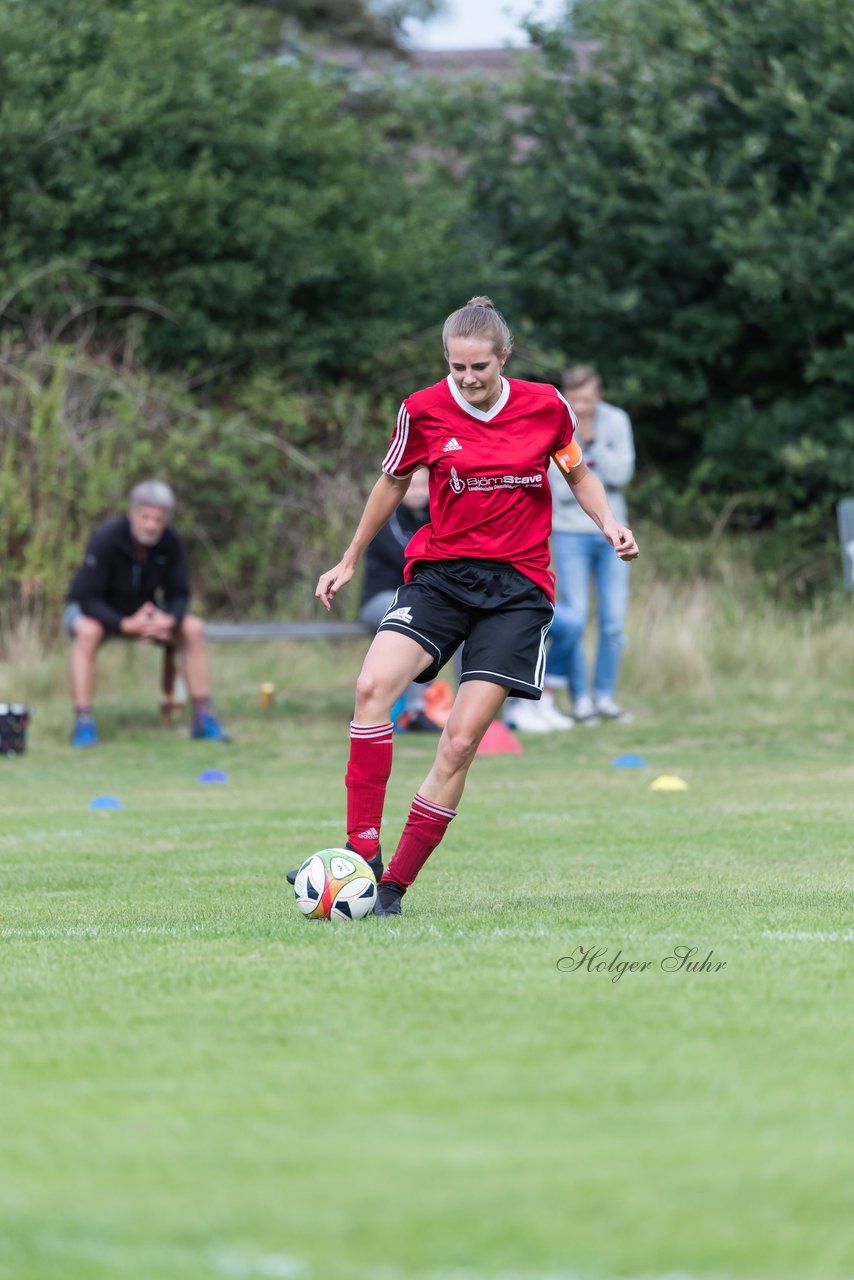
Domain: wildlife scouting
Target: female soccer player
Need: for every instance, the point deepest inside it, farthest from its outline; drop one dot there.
(477, 575)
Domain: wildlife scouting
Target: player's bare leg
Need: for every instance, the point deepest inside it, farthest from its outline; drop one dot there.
(391, 664)
(476, 705)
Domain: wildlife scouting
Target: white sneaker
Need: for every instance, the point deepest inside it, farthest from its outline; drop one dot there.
(526, 716)
(583, 711)
(611, 710)
(553, 715)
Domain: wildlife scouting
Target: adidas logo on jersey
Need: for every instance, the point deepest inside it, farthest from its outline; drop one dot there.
(399, 615)
(452, 444)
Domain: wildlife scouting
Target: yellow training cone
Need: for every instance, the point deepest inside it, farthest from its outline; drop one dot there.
(668, 782)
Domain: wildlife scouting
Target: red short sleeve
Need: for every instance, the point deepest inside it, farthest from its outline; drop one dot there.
(407, 449)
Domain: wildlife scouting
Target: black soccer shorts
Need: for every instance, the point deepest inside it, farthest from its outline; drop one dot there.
(500, 617)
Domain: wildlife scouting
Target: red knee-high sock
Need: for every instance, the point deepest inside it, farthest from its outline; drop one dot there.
(366, 780)
(425, 826)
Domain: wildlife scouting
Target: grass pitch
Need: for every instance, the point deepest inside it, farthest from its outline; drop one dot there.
(197, 1083)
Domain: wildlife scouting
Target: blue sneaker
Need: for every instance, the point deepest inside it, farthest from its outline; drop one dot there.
(209, 728)
(84, 733)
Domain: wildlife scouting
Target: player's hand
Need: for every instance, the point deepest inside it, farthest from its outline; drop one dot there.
(331, 582)
(623, 541)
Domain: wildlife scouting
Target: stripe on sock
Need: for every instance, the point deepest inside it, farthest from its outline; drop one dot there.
(371, 732)
(424, 830)
(366, 779)
(430, 809)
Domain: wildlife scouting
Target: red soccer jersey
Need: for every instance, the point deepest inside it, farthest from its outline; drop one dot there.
(489, 495)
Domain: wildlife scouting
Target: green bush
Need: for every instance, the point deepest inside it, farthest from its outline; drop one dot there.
(153, 164)
(680, 215)
(277, 245)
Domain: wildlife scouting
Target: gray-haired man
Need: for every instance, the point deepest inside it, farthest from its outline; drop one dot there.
(134, 582)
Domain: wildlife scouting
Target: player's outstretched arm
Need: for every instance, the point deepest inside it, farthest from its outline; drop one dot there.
(383, 501)
(591, 497)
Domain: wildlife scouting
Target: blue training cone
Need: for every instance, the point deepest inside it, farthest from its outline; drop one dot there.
(213, 775)
(629, 762)
(105, 802)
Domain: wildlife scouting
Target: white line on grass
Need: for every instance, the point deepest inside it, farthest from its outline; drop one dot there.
(279, 1266)
(35, 933)
(780, 935)
(634, 935)
(246, 1266)
(237, 1262)
(9, 842)
(180, 829)
(45, 933)
(471, 1273)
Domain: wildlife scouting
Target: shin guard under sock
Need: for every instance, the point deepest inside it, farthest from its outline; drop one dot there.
(425, 827)
(366, 779)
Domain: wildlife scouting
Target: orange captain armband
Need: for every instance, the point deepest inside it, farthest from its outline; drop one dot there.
(568, 456)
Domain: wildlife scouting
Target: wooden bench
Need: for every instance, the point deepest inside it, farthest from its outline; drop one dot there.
(321, 629)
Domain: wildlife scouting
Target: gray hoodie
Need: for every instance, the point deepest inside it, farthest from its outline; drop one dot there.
(610, 456)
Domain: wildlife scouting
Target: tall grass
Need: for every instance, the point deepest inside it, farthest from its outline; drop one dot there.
(708, 636)
(708, 621)
(266, 480)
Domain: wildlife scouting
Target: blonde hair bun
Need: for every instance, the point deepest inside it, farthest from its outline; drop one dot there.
(479, 318)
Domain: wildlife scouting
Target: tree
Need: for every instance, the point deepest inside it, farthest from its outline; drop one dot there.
(153, 164)
(347, 22)
(681, 214)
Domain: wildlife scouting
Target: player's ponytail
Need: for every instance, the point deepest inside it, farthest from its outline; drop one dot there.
(479, 318)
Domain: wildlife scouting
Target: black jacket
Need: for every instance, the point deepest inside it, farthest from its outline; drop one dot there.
(384, 558)
(114, 580)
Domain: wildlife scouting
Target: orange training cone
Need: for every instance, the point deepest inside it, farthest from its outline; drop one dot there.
(498, 741)
(438, 701)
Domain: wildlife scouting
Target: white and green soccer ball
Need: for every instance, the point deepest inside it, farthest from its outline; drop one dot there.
(335, 884)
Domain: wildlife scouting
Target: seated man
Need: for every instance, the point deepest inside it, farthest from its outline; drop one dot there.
(133, 582)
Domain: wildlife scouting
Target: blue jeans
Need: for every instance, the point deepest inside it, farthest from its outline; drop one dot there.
(582, 558)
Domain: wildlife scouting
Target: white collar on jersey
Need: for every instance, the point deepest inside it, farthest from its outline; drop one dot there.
(482, 415)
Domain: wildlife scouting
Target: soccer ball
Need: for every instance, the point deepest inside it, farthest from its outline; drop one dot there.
(335, 884)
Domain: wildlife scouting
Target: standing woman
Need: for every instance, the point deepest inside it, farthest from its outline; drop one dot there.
(477, 575)
(583, 558)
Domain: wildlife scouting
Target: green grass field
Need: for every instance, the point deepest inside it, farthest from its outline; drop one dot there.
(196, 1083)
